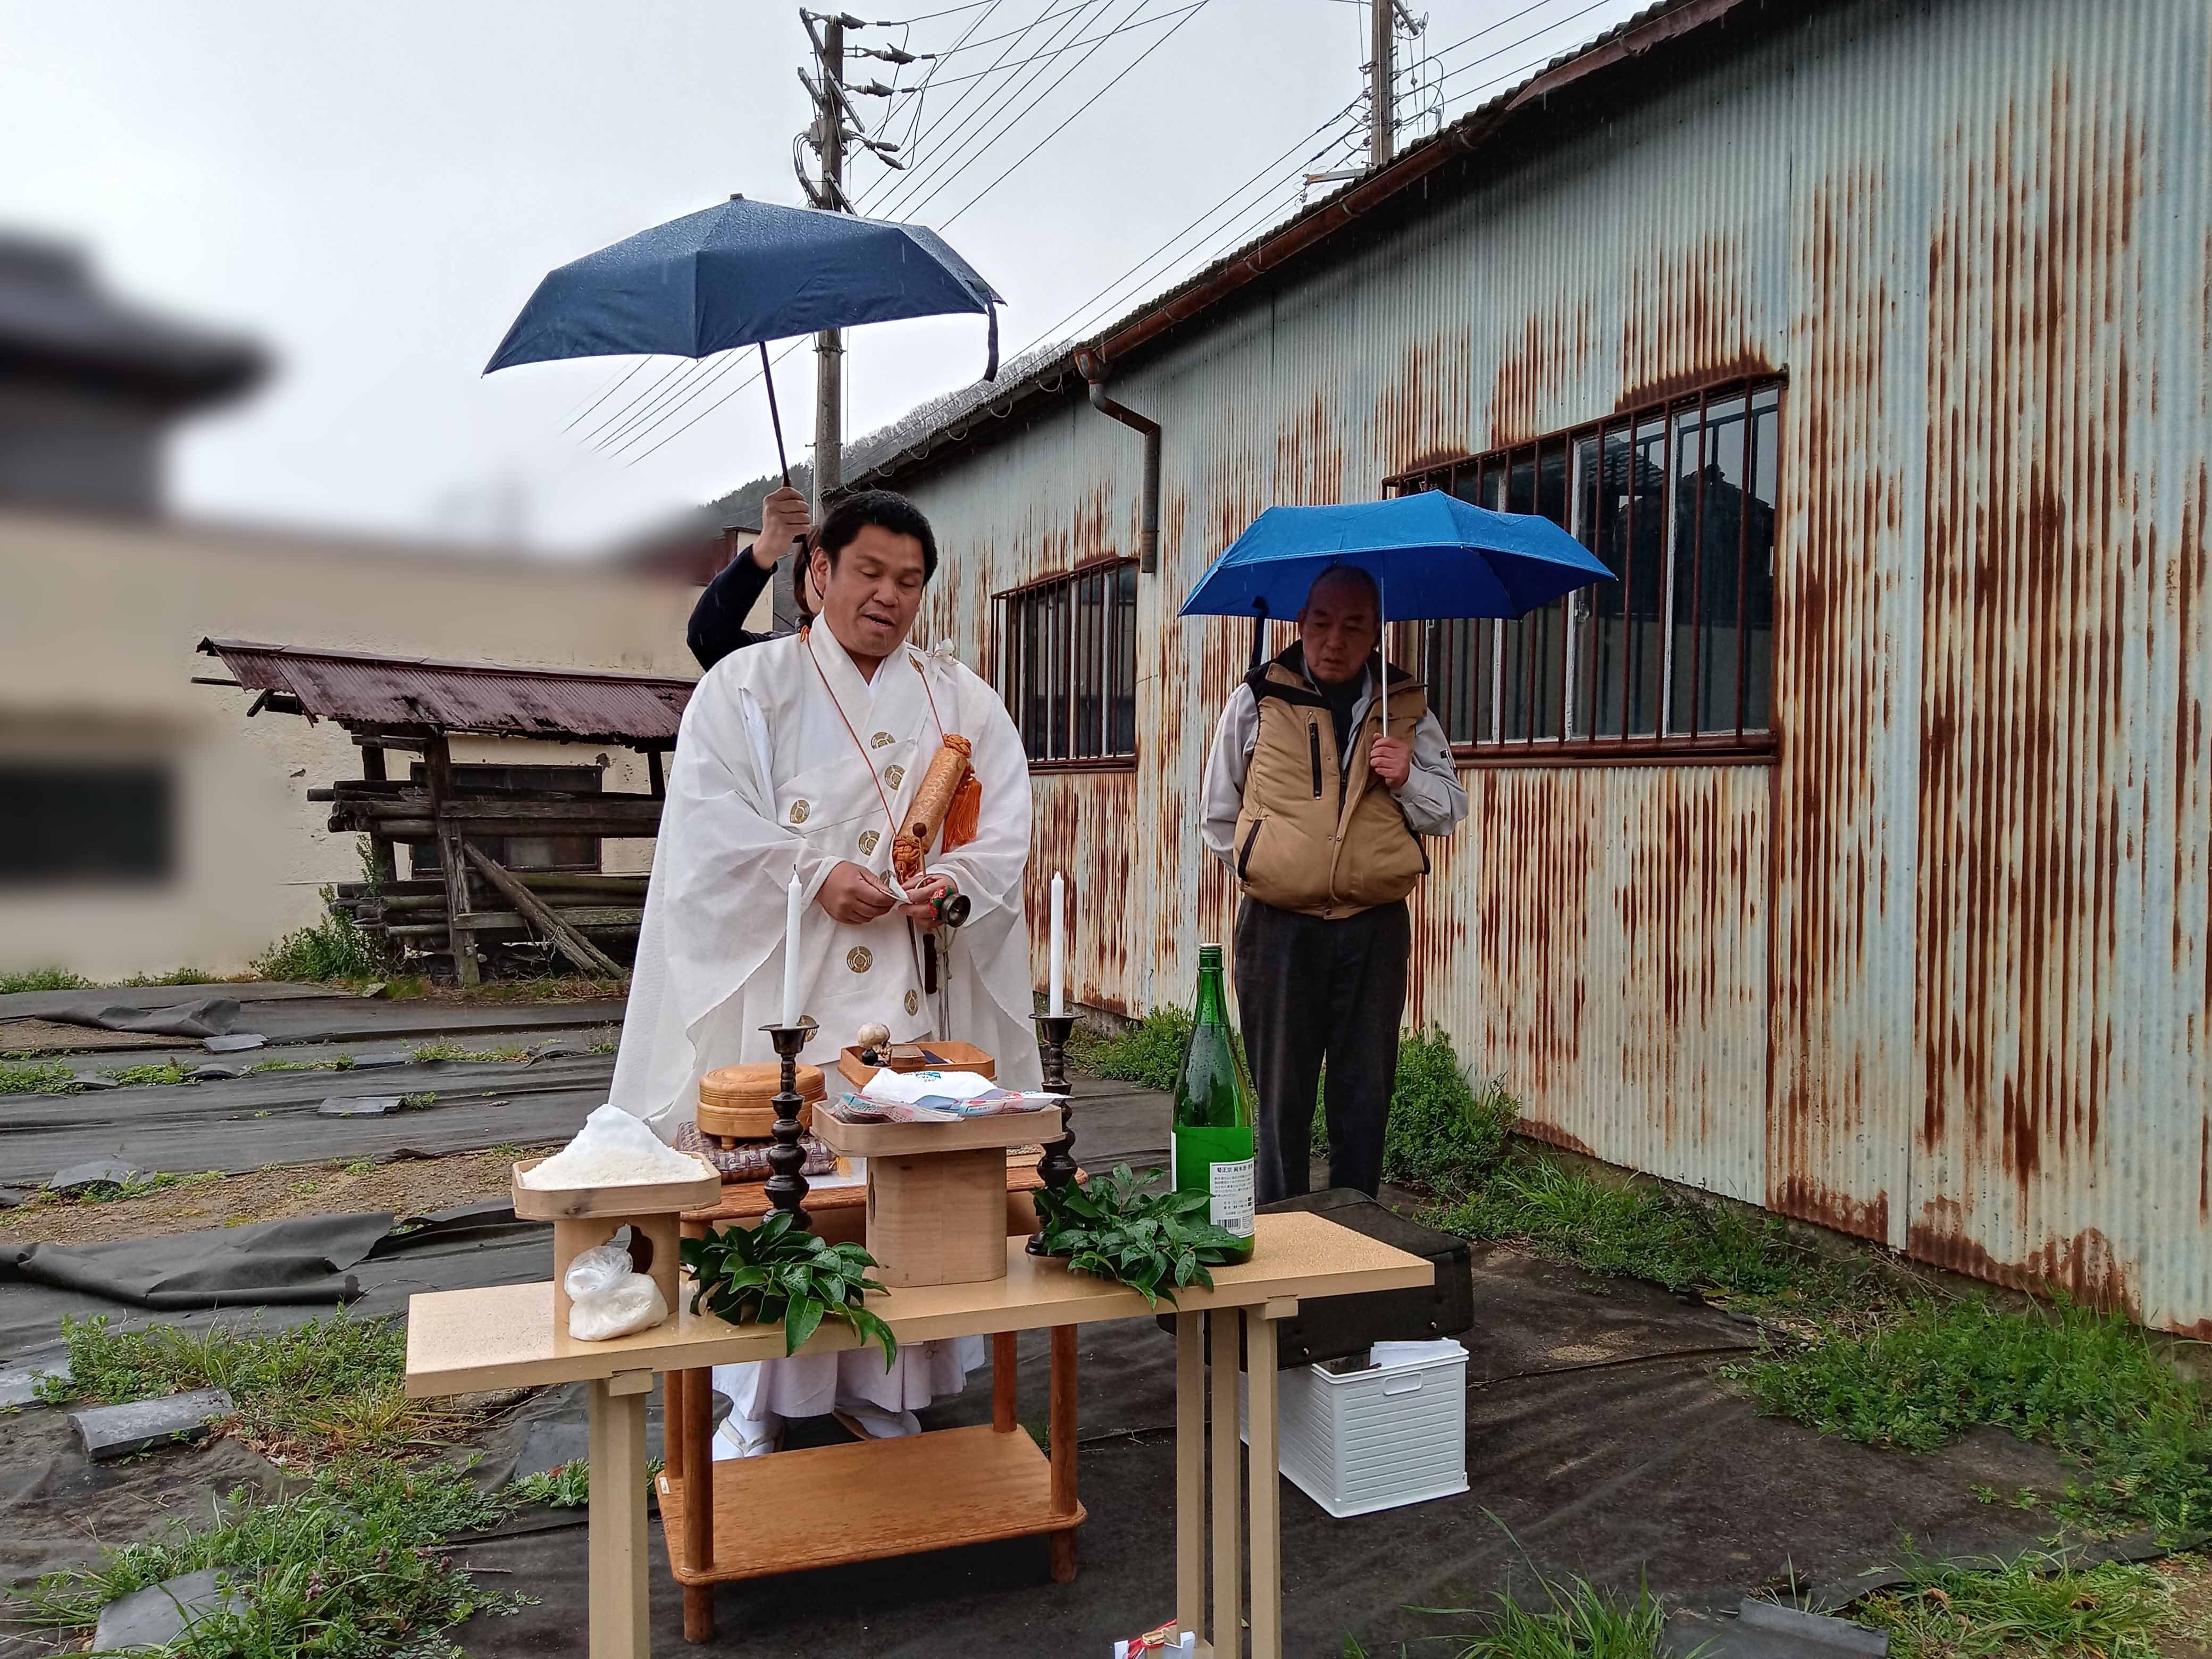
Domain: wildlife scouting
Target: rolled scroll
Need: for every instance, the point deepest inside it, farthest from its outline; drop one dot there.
(951, 779)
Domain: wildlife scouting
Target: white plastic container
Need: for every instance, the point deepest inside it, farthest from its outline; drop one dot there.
(1381, 1438)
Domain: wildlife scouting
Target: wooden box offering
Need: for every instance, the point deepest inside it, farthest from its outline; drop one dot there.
(903, 1057)
(584, 1217)
(733, 1100)
(937, 1192)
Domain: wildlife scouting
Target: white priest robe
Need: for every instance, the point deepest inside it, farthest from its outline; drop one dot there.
(788, 761)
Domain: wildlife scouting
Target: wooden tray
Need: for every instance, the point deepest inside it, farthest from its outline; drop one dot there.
(950, 1057)
(910, 1139)
(573, 1203)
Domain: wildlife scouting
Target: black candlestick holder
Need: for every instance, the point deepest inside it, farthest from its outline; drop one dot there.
(786, 1187)
(1057, 1167)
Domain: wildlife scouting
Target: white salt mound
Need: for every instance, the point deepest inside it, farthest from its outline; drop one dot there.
(614, 1149)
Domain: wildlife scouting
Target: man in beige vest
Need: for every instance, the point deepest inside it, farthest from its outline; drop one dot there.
(1318, 813)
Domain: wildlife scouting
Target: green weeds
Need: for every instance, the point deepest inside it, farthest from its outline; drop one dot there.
(162, 1074)
(335, 948)
(2039, 1604)
(569, 1487)
(423, 1052)
(43, 978)
(1150, 1052)
(2088, 1384)
(421, 1102)
(335, 1063)
(38, 1078)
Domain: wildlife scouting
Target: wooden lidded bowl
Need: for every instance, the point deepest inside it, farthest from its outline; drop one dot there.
(733, 1100)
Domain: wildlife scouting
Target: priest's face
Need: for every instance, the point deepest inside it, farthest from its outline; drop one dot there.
(872, 589)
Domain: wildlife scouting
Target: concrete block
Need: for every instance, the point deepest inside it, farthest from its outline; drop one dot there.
(93, 1083)
(232, 1042)
(113, 1431)
(1840, 1634)
(1763, 1630)
(19, 1384)
(11, 1196)
(359, 1106)
(112, 1171)
(209, 1071)
(379, 1063)
(156, 1616)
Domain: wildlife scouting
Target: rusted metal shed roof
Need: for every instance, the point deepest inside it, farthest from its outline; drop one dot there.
(883, 458)
(368, 690)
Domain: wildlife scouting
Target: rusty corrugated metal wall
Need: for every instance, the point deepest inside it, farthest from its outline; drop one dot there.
(1939, 976)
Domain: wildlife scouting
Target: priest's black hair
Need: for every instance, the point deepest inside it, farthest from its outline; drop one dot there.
(886, 509)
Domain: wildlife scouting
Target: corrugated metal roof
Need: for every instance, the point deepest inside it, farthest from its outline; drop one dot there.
(879, 458)
(366, 689)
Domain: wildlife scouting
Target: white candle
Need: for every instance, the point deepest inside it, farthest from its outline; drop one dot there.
(794, 901)
(1058, 1002)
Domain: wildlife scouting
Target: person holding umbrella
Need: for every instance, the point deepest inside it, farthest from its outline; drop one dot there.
(1327, 771)
(718, 618)
(1318, 808)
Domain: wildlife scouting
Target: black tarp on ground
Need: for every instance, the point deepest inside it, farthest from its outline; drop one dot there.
(270, 1117)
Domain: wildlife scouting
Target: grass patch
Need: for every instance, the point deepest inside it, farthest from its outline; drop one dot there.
(43, 978)
(334, 948)
(418, 1103)
(1151, 1052)
(2039, 1604)
(175, 976)
(338, 1063)
(569, 1486)
(139, 1077)
(1444, 1135)
(423, 1052)
(38, 1078)
(2088, 1384)
(1572, 1621)
(348, 1567)
(326, 1389)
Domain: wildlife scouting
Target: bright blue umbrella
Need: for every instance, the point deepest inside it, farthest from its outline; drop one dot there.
(1431, 555)
(744, 273)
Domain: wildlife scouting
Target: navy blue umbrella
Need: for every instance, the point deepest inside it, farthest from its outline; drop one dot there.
(740, 274)
(1431, 555)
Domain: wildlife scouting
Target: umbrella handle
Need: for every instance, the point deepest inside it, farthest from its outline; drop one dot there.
(768, 378)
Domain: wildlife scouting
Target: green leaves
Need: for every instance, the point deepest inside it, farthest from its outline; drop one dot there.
(758, 1275)
(1117, 1228)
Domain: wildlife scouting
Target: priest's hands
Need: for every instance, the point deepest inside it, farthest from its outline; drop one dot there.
(851, 895)
(924, 893)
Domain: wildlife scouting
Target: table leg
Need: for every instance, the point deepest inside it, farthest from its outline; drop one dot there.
(1228, 1568)
(697, 1472)
(1190, 1473)
(1261, 1413)
(1060, 1431)
(1004, 1381)
(617, 1549)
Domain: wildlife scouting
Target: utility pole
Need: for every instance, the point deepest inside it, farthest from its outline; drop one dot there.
(1382, 74)
(829, 344)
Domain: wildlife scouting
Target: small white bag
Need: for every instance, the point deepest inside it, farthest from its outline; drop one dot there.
(607, 1298)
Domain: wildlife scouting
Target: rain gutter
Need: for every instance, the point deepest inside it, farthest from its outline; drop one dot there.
(1094, 373)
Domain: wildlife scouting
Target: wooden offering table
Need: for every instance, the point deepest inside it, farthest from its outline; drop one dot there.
(975, 1484)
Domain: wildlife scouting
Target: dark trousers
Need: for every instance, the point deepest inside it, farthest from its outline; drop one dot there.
(1310, 992)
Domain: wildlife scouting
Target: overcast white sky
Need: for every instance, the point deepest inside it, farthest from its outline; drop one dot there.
(375, 189)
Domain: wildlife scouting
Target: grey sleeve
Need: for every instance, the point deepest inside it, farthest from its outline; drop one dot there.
(1221, 795)
(1432, 797)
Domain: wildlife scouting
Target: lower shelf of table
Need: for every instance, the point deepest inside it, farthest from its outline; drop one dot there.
(831, 1505)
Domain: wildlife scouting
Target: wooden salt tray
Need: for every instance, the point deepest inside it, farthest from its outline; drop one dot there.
(584, 1217)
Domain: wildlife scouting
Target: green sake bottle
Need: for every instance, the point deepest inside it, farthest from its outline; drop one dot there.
(1214, 1143)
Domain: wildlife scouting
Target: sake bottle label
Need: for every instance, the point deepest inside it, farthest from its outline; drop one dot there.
(1229, 1182)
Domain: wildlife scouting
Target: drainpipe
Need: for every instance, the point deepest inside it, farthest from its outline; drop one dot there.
(1093, 370)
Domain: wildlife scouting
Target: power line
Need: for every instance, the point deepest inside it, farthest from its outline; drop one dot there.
(775, 357)
(900, 194)
(1556, 24)
(993, 39)
(950, 11)
(1089, 41)
(613, 385)
(1189, 12)
(666, 375)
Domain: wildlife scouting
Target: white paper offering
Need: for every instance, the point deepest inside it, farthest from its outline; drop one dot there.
(907, 1087)
(613, 1149)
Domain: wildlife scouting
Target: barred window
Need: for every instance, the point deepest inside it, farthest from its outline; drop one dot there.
(1067, 662)
(1678, 501)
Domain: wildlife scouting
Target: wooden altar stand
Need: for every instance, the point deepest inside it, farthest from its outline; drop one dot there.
(736, 1536)
(797, 1502)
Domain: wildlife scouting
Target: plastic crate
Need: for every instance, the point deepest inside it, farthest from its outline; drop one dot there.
(1393, 1434)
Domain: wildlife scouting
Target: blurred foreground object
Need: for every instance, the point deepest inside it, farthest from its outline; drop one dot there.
(144, 826)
